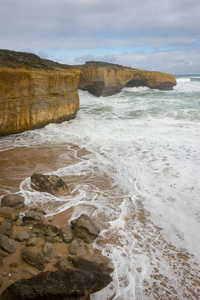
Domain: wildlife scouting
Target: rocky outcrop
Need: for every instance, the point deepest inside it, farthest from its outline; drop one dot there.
(33, 93)
(48, 183)
(104, 79)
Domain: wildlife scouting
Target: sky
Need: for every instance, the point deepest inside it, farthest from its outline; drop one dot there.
(159, 35)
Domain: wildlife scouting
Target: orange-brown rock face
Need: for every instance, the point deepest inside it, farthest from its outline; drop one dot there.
(32, 98)
(103, 79)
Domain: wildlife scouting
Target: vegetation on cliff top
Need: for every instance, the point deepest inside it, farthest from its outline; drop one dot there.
(14, 59)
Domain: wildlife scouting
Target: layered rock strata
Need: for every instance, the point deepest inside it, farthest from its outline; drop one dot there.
(33, 93)
(104, 79)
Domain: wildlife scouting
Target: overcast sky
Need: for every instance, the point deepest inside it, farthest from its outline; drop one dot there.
(161, 35)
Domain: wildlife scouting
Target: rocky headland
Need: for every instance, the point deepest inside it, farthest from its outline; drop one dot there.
(35, 92)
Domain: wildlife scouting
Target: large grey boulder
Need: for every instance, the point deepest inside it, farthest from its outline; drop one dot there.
(13, 200)
(86, 228)
(72, 284)
(7, 244)
(33, 259)
(48, 183)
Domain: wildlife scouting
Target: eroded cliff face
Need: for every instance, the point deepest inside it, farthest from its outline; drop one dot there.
(103, 79)
(32, 98)
(35, 92)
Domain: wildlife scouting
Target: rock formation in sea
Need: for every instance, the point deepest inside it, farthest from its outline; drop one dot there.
(105, 79)
(35, 92)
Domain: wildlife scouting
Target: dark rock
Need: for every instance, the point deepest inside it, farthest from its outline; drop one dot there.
(46, 229)
(13, 200)
(48, 249)
(66, 233)
(77, 247)
(35, 260)
(33, 215)
(22, 236)
(32, 242)
(72, 284)
(7, 244)
(48, 183)
(86, 228)
(6, 227)
(94, 263)
(9, 212)
(1, 282)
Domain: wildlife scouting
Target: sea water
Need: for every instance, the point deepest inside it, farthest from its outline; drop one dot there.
(146, 144)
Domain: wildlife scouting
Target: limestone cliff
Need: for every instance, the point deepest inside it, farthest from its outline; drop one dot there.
(33, 93)
(104, 79)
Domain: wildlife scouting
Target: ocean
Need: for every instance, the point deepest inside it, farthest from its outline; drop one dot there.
(133, 164)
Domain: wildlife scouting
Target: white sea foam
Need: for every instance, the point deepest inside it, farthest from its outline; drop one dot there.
(147, 143)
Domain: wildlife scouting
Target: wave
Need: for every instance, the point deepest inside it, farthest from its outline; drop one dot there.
(183, 79)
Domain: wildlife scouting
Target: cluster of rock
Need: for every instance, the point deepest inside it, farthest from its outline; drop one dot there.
(75, 276)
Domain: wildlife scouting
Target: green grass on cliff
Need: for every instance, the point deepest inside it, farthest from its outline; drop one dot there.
(14, 59)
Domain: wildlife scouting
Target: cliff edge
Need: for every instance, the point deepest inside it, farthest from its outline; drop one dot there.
(105, 79)
(34, 93)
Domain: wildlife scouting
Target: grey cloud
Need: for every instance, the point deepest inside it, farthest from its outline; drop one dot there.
(44, 25)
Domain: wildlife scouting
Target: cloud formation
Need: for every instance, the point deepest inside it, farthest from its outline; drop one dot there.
(156, 34)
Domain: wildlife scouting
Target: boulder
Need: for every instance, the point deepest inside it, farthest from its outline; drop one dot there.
(66, 233)
(72, 284)
(64, 264)
(7, 244)
(9, 212)
(46, 229)
(92, 262)
(33, 215)
(13, 200)
(86, 228)
(77, 247)
(19, 222)
(48, 183)
(33, 259)
(32, 241)
(22, 236)
(48, 249)
(6, 227)
(52, 239)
